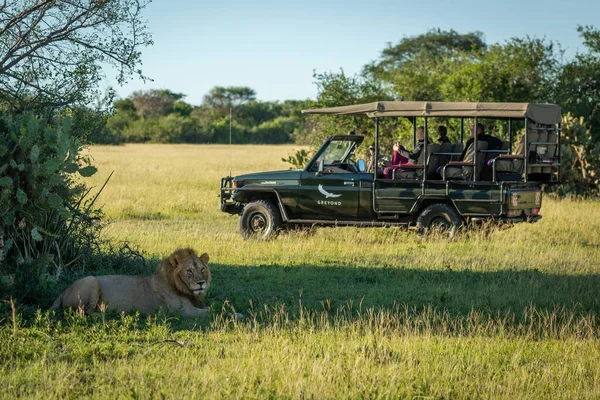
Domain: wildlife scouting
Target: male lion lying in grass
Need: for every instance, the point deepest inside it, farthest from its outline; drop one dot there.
(180, 283)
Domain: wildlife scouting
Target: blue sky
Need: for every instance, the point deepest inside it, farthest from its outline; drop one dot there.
(274, 47)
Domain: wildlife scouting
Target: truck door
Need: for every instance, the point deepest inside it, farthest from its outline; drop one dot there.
(330, 196)
(330, 184)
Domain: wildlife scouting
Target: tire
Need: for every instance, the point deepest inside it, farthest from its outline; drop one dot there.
(260, 220)
(439, 217)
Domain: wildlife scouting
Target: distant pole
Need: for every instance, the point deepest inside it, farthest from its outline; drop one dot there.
(229, 124)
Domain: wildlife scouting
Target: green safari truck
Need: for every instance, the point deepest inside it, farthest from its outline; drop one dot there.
(448, 186)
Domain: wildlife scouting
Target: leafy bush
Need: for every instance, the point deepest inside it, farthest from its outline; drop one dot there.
(299, 158)
(276, 131)
(173, 128)
(580, 158)
(90, 126)
(46, 218)
(221, 131)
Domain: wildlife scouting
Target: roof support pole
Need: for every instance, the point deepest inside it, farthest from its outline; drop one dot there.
(376, 152)
(375, 166)
(414, 132)
(510, 136)
(424, 149)
(525, 162)
(475, 155)
(559, 131)
(462, 130)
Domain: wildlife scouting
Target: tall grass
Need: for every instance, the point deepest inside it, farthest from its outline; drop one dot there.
(330, 313)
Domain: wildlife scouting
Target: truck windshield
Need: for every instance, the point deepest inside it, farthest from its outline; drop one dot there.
(338, 151)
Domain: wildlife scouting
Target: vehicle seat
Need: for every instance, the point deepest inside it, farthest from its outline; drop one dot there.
(457, 148)
(433, 160)
(487, 172)
(461, 170)
(415, 171)
(445, 148)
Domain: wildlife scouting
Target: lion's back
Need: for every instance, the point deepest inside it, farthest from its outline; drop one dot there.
(126, 292)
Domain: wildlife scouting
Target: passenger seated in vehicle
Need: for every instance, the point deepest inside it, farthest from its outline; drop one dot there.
(493, 142)
(401, 155)
(413, 155)
(371, 164)
(442, 132)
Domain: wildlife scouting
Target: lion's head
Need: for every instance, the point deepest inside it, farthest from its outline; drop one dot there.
(187, 273)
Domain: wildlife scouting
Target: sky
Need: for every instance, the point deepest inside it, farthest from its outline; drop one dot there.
(274, 47)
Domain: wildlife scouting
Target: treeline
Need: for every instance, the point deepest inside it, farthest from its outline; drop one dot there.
(227, 114)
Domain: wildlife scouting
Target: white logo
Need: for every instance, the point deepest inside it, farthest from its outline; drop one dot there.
(327, 194)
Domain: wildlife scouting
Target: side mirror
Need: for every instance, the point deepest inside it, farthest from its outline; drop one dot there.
(321, 167)
(362, 167)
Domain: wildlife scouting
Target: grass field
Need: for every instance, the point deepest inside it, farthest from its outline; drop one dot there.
(331, 313)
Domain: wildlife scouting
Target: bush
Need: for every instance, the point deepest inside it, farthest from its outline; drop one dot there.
(46, 219)
(90, 126)
(276, 131)
(222, 132)
(298, 159)
(170, 129)
(580, 158)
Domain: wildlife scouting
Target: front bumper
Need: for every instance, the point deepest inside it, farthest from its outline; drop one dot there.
(225, 195)
(231, 208)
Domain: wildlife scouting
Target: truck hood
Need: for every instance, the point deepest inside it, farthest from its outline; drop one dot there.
(272, 178)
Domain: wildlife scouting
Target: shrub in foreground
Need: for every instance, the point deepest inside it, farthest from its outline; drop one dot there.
(47, 222)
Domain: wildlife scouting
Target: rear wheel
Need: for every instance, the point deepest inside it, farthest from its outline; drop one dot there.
(260, 220)
(439, 217)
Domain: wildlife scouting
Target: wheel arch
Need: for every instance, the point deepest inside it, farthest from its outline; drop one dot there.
(452, 220)
(426, 202)
(271, 195)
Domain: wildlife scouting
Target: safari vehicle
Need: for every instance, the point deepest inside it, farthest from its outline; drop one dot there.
(440, 191)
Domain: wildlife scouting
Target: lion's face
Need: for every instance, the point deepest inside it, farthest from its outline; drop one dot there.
(193, 271)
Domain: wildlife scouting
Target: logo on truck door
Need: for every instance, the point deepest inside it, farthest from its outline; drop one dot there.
(327, 194)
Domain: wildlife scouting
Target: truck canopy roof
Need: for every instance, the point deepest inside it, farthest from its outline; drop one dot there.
(540, 113)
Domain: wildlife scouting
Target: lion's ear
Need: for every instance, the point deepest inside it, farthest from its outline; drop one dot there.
(174, 260)
(204, 258)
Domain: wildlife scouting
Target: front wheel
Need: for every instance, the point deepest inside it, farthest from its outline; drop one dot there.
(259, 220)
(439, 217)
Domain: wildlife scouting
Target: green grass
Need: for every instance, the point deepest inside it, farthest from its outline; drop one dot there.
(331, 313)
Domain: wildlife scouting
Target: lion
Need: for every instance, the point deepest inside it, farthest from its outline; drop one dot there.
(179, 283)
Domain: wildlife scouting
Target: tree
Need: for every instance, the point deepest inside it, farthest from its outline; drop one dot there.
(447, 66)
(578, 87)
(580, 158)
(337, 89)
(578, 92)
(182, 108)
(124, 115)
(520, 70)
(591, 37)
(222, 98)
(254, 113)
(155, 103)
(434, 45)
(52, 53)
